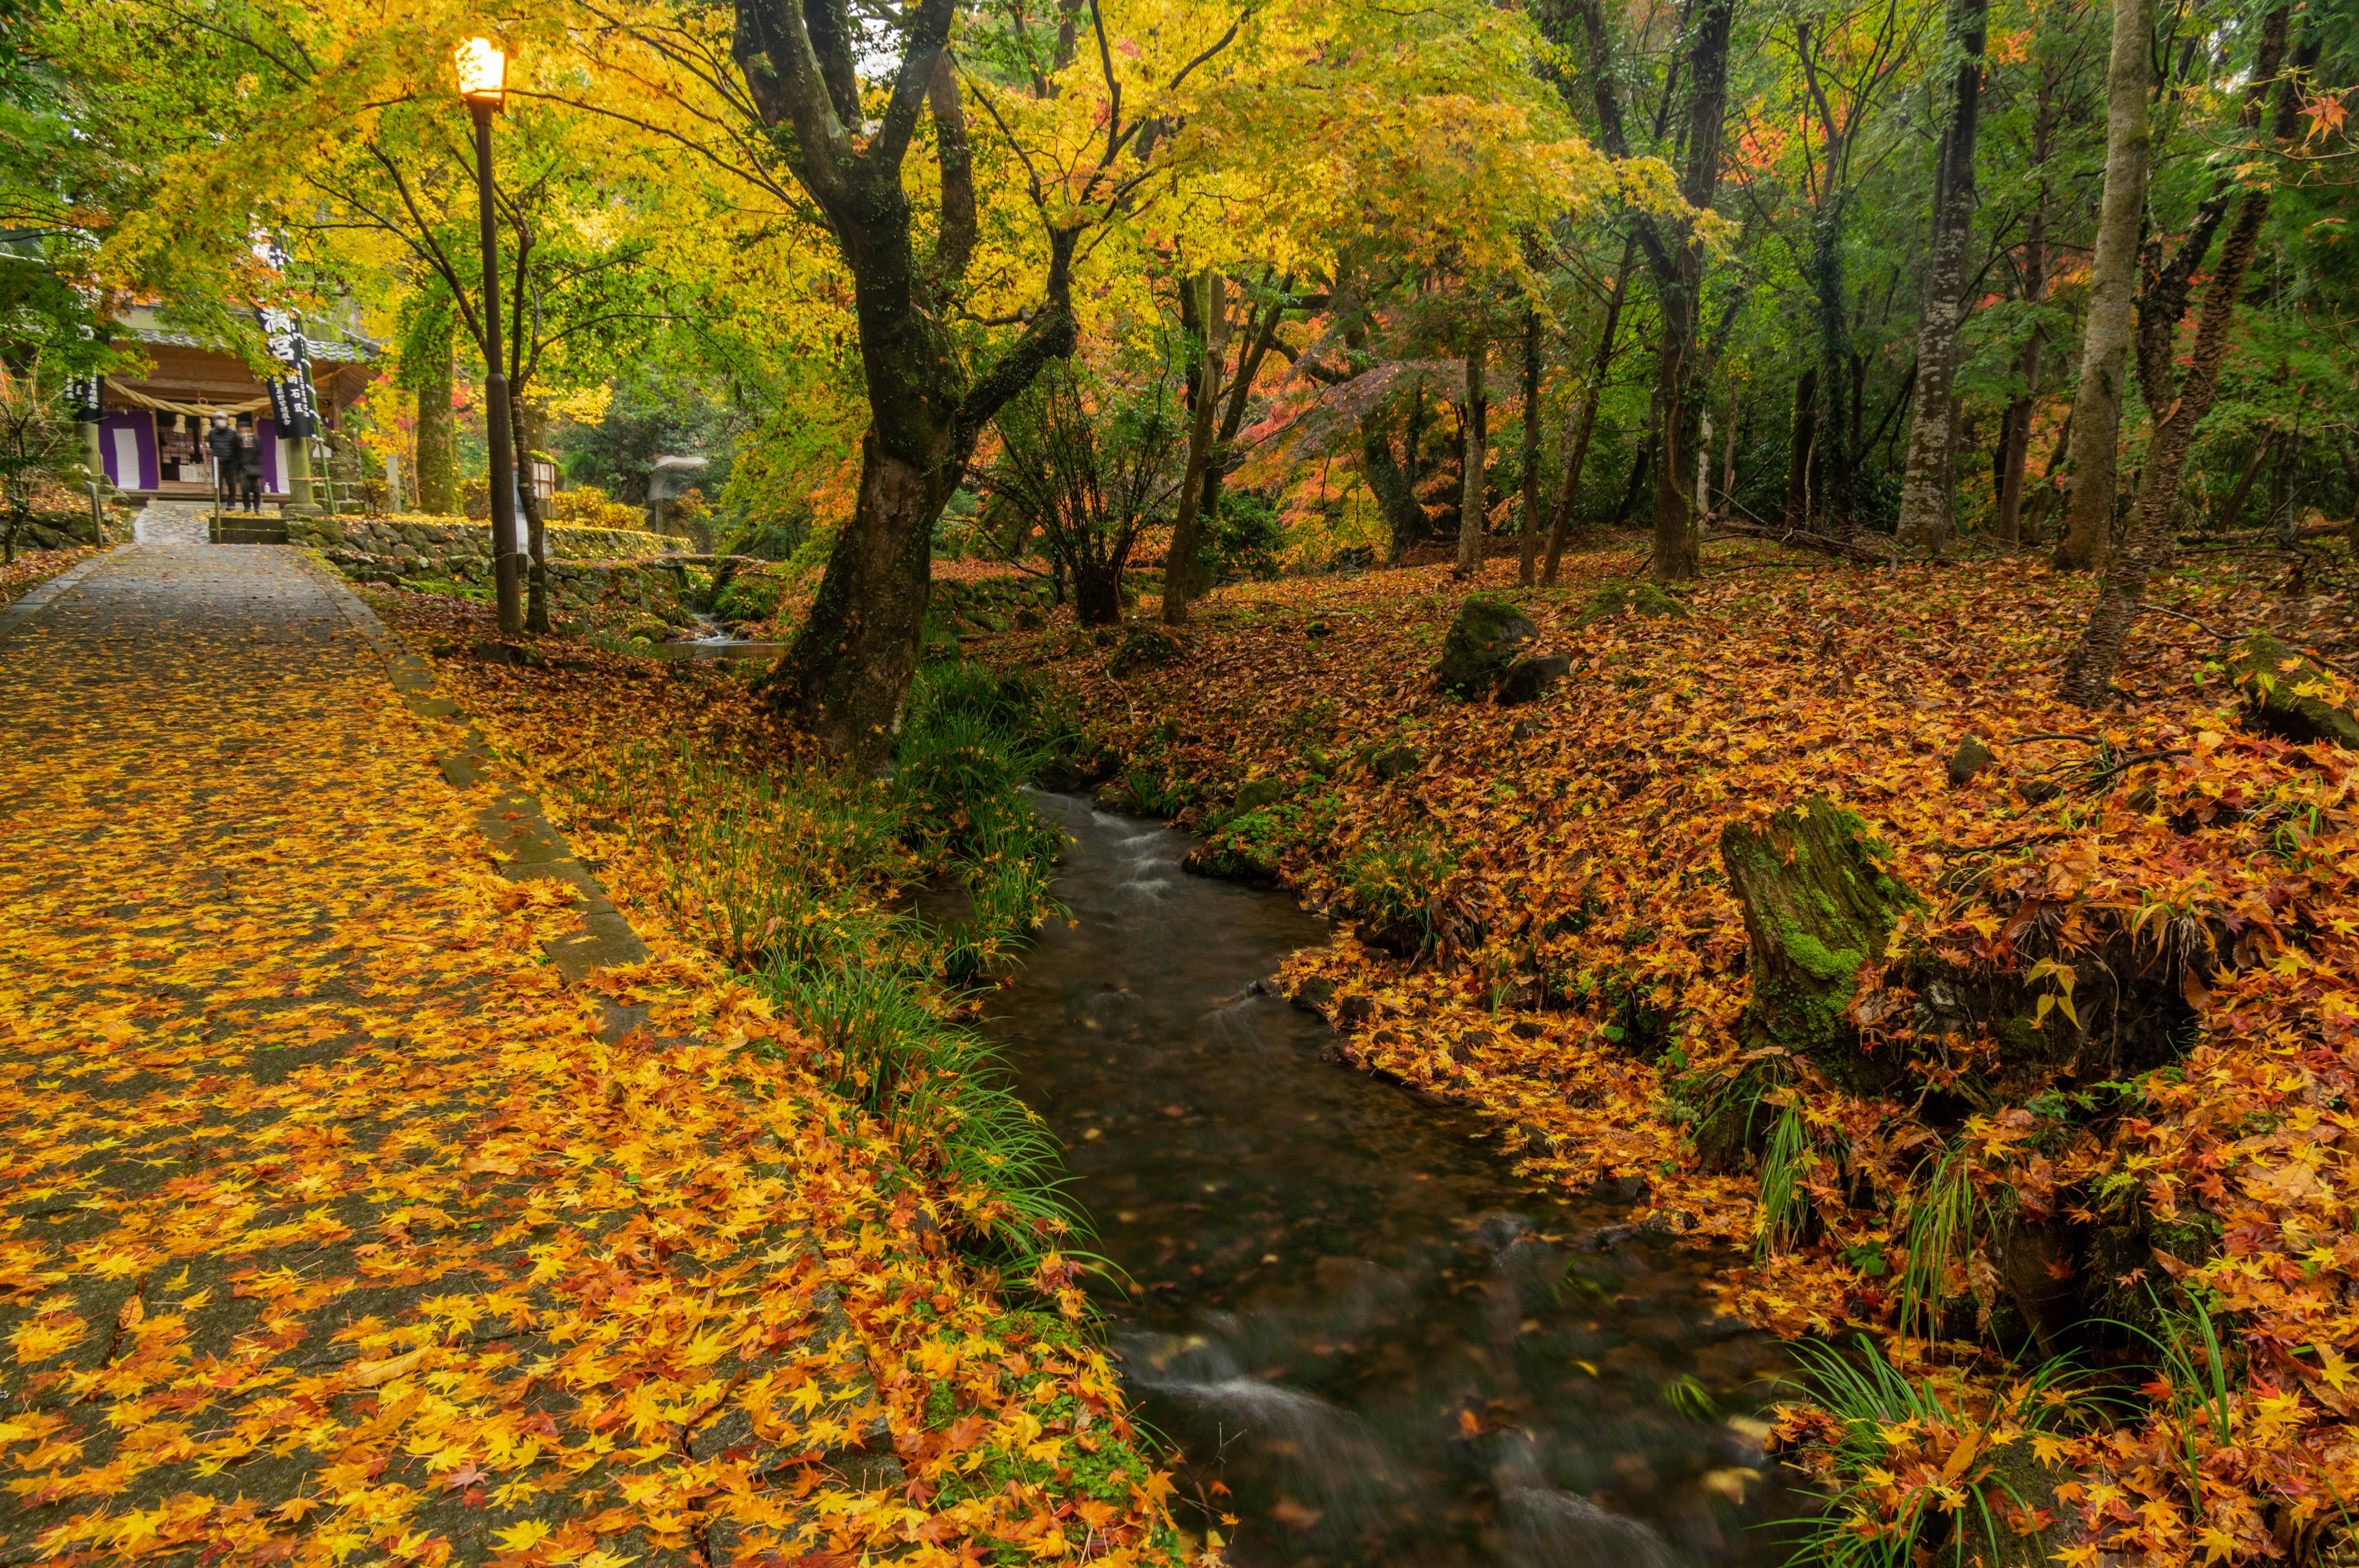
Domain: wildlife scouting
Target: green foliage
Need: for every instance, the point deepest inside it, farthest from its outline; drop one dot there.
(1940, 1233)
(1786, 1165)
(1246, 540)
(651, 413)
(1396, 884)
(1870, 1400)
(750, 596)
(940, 1089)
(969, 740)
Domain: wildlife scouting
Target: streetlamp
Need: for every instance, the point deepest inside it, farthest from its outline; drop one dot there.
(483, 82)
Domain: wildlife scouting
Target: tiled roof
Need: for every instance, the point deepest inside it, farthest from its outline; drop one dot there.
(333, 351)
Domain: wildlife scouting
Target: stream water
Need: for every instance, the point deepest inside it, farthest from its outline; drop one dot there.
(1348, 1310)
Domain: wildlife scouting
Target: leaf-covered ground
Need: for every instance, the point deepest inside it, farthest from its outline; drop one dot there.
(334, 1231)
(31, 568)
(1581, 972)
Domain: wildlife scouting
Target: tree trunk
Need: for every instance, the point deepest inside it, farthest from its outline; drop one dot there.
(438, 453)
(2112, 276)
(1681, 291)
(1471, 504)
(1389, 484)
(2016, 451)
(853, 656)
(1799, 448)
(2232, 510)
(1205, 293)
(1529, 530)
(802, 68)
(2088, 669)
(524, 424)
(1576, 452)
(1924, 522)
(1097, 593)
(1642, 464)
(1835, 468)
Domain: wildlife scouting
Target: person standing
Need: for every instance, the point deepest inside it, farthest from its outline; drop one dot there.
(221, 445)
(249, 466)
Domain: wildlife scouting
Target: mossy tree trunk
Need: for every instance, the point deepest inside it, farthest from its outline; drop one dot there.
(438, 452)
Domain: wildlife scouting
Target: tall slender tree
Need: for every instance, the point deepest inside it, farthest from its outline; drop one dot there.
(1925, 492)
(2121, 594)
(2113, 278)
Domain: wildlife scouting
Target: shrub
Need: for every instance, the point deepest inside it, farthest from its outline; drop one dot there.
(587, 506)
(750, 596)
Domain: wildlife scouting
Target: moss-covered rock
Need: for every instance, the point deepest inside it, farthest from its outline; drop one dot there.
(1143, 648)
(1484, 638)
(1635, 598)
(2282, 692)
(1527, 680)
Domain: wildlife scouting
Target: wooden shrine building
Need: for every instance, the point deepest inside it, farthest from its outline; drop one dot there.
(150, 433)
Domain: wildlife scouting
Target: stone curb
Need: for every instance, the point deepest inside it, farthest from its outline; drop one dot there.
(522, 842)
(18, 610)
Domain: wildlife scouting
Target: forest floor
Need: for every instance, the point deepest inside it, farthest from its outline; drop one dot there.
(334, 1227)
(1534, 921)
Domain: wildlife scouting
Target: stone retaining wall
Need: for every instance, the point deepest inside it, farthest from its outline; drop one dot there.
(653, 588)
(442, 540)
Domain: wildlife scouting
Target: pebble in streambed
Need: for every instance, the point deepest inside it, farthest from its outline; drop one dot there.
(1347, 1310)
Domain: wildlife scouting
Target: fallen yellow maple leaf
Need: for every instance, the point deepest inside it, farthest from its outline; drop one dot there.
(369, 1374)
(522, 1536)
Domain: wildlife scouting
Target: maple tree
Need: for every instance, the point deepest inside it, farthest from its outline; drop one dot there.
(1218, 290)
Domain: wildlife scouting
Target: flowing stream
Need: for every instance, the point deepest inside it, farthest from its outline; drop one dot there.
(1349, 1311)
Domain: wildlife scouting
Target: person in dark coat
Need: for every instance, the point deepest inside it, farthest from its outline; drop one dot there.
(221, 445)
(249, 466)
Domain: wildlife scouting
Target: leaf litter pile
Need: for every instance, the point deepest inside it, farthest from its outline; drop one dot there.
(335, 1232)
(2060, 1190)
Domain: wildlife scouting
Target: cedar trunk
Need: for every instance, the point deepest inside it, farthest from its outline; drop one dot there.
(1676, 556)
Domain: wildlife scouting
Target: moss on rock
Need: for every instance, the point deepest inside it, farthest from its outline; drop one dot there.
(1484, 638)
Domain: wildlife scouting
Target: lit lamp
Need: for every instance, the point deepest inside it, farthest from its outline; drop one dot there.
(483, 82)
(482, 73)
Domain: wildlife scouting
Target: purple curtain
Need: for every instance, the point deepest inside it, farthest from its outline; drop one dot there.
(126, 449)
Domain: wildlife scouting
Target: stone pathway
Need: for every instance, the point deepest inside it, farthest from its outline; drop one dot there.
(325, 1216)
(171, 522)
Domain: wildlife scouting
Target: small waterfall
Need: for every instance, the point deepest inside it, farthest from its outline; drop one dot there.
(1549, 1528)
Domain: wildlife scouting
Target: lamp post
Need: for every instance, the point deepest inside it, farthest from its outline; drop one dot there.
(483, 82)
